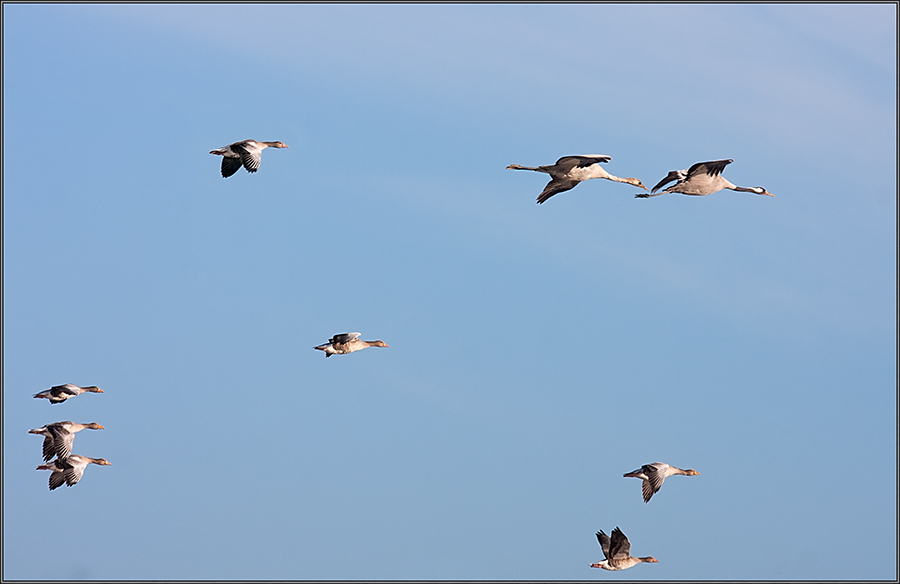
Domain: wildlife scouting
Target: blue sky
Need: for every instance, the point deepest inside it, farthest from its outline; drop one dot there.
(537, 352)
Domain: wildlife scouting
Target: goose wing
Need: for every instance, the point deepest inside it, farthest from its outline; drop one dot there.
(555, 186)
(49, 448)
(249, 153)
(57, 442)
(567, 163)
(712, 168)
(73, 469)
(61, 443)
(673, 175)
(57, 478)
(66, 389)
(653, 482)
(230, 165)
(620, 547)
(604, 543)
(343, 338)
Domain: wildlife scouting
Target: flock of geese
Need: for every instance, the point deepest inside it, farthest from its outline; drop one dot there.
(702, 178)
(59, 438)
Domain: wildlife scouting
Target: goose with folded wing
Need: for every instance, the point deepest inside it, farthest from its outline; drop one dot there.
(347, 343)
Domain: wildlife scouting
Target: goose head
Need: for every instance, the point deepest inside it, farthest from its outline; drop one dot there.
(637, 182)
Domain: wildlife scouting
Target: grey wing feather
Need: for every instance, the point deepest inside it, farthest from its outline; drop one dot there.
(604, 543)
(62, 390)
(49, 450)
(61, 441)
(230, 165)
(620, 546)
(343, 337)
(654, 481)
(72, 471)
(56, 479)
(64, 445)
(567, 163)
(647, 490)
(250, 159)
(712, 168)
(656, 477)
(673, 175)
(556, 186)
(73, 475)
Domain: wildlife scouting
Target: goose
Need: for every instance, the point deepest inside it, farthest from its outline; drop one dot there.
(70, 470)
(60, 393)
(654, 474)
(703, 178)
(347, 343)
(246, 153)
(571, 170)
(59, 437)
(618, 552)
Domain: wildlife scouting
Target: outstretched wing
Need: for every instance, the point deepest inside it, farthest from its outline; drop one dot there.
(62, 442)
(230, 165)
(673, 175)
(57, 478)
(654, 482)
(250, 157)
(49, 448)
(620, 547)
(556, 186)
(567, 163)
(712, 168)
(604, 543)
(73, 471)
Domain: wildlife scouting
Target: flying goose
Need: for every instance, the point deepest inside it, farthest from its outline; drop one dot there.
(618, 552)
(703, 178)
(246, 153)
(59, 437)
(571, 170)
(60, 393)
(654, 474)
(347, 343)
(70, 470)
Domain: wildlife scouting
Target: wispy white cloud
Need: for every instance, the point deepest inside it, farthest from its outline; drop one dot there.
(680, 69)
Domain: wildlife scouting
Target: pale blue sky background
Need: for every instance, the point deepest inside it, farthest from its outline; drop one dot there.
(537, 352)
